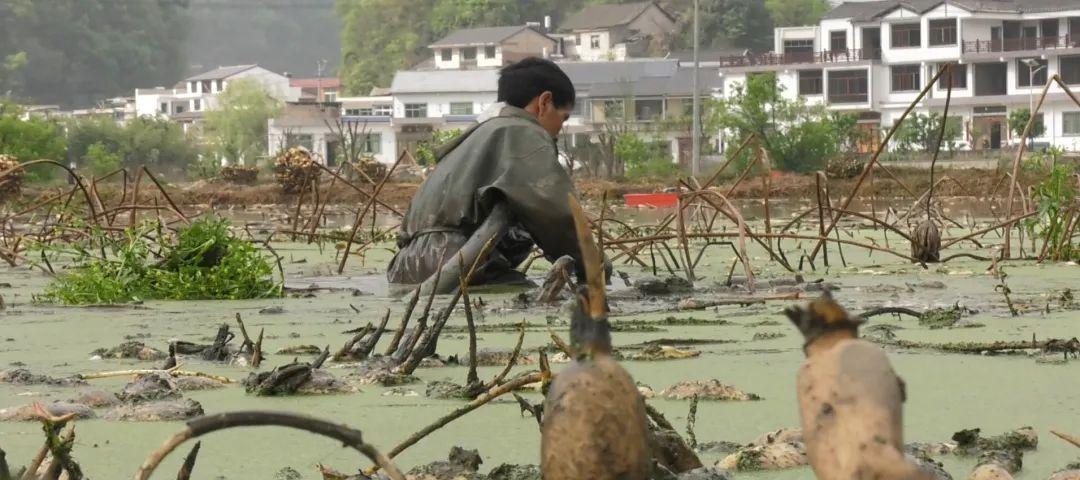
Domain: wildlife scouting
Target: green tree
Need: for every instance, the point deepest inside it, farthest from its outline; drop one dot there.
(1018, 120)
(142, 141)
(236, 130)
(724, 23)
(380, 37)
(797, 136)
(921, 132)
(31, 139)
(426, 150)
(101, 160)
(79, 51)
(795, 13)
(644, 159)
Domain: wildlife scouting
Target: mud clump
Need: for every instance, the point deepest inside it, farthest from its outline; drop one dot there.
(663, 352)
(27, 412)
(22, 376)
(706, 390)
(662, 286)
(490, 357)
(445, 390)
(156, 411)
(773, 456)
(515, 472)
(461, 464)
(147, 388)
(133, 349)
(96, 399)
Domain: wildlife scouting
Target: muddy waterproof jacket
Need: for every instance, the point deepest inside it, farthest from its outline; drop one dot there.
(508, 158)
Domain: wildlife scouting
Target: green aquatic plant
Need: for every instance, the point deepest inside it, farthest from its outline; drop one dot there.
(203, 261)
(1055, 200)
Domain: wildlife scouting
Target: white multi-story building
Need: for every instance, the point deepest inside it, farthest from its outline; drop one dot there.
(873, 58)
(186, 102)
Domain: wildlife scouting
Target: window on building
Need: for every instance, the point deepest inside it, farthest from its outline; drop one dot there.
(191, 87)
(906, 35)
(356, 112)
(221, 85)
(329, 96)
(468, 53)
(959, 78)
(382, 110)
(594, 41)
(614, 109)
(196, 105)
(371, 144)
(415, 110)
(942, 32)
(1070, 123)
(1024, 77)
(207, 86)
(848, 86)
(811, 82)
(178, 109)
(461, 108)
(164, 107)
(648, 109)
(838, 40)
(1070, 69)
(489, 51)
(446, 54)
(305, 140)
(905, 78)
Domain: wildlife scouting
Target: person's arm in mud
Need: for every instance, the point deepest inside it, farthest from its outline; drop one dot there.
(536, 188)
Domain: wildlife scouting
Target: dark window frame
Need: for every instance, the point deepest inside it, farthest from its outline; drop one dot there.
(1070, 72)
(416, 110)
(942, 34)
(1023, 74)
(468, 54)
(1076, 123)
(811, 82)
(905, 78)
(910, 32)
(959, 81)
(490, 52)
(833, 40)
(470, 110)
(447, 55)
(855, 83)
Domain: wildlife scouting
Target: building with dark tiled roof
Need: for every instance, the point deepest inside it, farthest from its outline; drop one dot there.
(873, 59)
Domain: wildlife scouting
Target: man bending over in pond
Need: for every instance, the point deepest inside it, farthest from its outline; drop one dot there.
(508, 159)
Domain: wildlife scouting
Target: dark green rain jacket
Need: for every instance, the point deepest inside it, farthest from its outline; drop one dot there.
(508, 158)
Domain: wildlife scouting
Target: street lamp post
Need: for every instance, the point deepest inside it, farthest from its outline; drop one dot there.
(1033, 68)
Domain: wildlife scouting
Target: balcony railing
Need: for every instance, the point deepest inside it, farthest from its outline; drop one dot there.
(824, 56)
(1020, 44)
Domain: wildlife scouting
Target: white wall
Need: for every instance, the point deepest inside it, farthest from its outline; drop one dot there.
(438, 104)
(589, 54)
(795, 33)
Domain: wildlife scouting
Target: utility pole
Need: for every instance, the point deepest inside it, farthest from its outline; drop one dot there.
(695, 135)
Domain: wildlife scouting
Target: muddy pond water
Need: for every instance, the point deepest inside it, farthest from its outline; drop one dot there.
(946, 392)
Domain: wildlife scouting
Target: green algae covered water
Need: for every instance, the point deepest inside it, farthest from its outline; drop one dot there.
(946, 392)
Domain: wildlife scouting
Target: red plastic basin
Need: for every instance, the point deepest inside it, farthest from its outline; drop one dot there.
(655, 200)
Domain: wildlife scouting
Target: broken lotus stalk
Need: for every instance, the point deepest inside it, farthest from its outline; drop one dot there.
(211, 423)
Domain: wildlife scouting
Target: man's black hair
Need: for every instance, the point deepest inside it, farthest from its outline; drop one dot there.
(521, 82)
